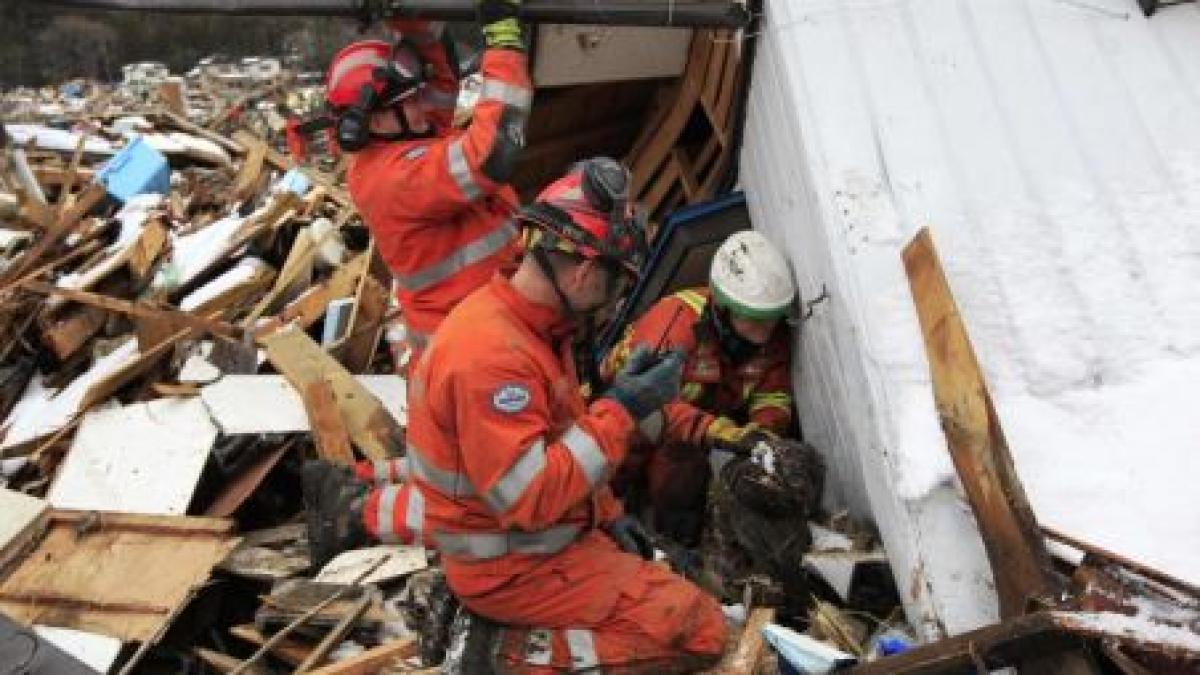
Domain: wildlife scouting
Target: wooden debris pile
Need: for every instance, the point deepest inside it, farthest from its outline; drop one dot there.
(185, 316)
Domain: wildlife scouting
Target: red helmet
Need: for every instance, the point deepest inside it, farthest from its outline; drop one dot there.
(372, 74)
(588, 213)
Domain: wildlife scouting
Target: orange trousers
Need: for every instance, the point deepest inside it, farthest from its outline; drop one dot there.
(593, 606)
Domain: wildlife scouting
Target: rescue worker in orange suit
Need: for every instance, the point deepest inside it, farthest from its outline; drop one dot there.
(737, 380)
(435, 198)
(509, 464)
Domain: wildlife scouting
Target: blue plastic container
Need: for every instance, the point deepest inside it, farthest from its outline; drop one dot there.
(137, 169)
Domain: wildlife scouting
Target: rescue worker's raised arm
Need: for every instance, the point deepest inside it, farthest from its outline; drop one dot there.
(770, 404)
(530, 475)
(463, 168)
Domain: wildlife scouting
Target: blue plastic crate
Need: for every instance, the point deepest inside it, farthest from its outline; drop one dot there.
(137, 169)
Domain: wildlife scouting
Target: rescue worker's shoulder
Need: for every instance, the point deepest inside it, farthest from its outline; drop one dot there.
(386, 167)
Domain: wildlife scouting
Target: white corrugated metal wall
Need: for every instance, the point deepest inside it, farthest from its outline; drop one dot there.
(1054, 148)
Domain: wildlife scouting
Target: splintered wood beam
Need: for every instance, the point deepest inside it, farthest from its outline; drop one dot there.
(1020, 562)
(373, 660)
(747, 658)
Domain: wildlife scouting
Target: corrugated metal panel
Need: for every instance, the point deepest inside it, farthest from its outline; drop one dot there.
(1054, 148)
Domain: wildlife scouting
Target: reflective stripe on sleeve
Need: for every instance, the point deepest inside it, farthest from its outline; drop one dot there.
(582, 646)
(387, 513)
(414, 513)
(508, 490)
(462, 257)
(508, 94)
(694, 300)
(460, 171)
(587, 453)
(770, 400)
(449, 483)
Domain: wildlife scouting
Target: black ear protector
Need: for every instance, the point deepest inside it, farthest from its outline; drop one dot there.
(353, 127)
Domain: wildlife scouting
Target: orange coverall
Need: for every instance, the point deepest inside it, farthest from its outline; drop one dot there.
(439, 207)
(669, 459)
(509, 468)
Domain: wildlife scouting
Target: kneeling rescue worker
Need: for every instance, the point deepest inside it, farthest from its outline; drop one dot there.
(434, 197)
(736, 380)
(509, 465)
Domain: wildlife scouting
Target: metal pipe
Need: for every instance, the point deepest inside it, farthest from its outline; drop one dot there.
(661, 13)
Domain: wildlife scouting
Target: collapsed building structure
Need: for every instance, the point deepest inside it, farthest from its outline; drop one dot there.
(1061, 196)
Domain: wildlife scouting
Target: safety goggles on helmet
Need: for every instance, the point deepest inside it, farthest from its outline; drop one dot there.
(588, 213)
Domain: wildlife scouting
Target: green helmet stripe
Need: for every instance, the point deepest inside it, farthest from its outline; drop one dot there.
(745, 311)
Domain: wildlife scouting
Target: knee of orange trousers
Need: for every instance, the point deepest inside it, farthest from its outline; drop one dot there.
(391, 514)
(677, 477)
(666, 624)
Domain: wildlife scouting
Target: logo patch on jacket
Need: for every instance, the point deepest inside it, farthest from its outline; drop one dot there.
(416, 153)
(511, 398)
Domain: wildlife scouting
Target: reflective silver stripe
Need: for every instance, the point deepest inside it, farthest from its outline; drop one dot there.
(436, 98)
(383, 471)
(462, 257)
(414, 514)
(460, 171)
(508, 490)
(651, 427)
(400, 468)
(450, 483)
(488, 545)
(350, 63)
(387, 514)
(583, 648)
(539, 647)
(508, 94)
(587, 452)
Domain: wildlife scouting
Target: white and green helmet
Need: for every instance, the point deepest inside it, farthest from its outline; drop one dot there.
(751, 278)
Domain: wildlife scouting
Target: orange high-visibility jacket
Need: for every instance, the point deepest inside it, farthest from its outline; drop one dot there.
(759, 390)
(512, 463)
(439, 208)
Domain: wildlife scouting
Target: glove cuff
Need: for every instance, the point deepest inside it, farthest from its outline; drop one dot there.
(630, 403)
(504, 34)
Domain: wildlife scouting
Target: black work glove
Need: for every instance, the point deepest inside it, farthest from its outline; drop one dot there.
(647, 382)
(631, 537)
(500, 24)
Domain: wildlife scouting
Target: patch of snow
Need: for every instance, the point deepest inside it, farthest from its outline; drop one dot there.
(59, 140)
(42, 411)
(96, 651)
(191, 254)
(243, 271)
(1133, 627)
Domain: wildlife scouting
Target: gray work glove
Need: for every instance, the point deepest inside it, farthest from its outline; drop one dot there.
(647, 382)
(631, 537)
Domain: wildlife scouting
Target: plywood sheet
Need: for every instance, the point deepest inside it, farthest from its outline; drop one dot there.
(19, 514)
(568, 55)
(143, 458)
(115, 574)
(259, 404)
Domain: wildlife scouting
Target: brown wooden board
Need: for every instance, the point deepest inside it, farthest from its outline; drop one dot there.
(117, 574)
(1020, 563)
(747, 657)
(329, 431)
(302, 362)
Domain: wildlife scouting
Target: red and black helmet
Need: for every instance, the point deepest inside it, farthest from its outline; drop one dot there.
(588, 213)
(367, 76)
(390, 73)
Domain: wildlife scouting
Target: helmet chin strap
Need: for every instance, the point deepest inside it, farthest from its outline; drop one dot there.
(585, 363)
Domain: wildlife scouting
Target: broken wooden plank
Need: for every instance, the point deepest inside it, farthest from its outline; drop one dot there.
(23, 516)
(1020, 563)
(373, 660)
(357, 350)
(329, 431)
(335, 635)
(67, 333)
(747, 658)
(238, 490)
(292, 652)
(1006, 644)
(89, 571)
(302, 362)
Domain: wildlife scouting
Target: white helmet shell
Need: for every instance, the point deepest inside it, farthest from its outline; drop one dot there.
(751, 277)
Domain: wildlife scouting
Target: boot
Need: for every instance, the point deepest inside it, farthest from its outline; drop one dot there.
(333, 502)
(474, 645)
